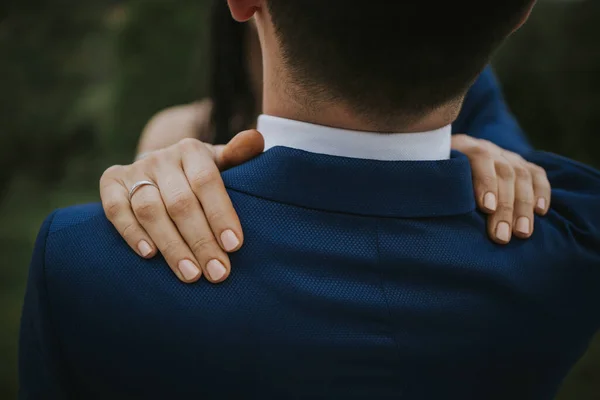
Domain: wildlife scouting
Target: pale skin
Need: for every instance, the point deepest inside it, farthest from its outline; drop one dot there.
(190, 218)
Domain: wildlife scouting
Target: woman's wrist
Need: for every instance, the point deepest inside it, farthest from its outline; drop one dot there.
(172, 125)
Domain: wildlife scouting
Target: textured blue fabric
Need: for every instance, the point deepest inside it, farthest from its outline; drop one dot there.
(357, 280)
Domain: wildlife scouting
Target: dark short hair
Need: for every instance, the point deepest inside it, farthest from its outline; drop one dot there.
(391, 59)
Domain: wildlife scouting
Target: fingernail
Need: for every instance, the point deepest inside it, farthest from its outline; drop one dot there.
(503, 232)
(541, 203)
(216, 270)
(229, 240)
(188, 270)
(489, 201)
(523, 225)
(144, 248)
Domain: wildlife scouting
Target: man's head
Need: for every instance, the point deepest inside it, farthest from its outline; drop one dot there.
(384, 60)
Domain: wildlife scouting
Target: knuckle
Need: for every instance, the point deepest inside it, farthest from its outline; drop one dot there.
(526, 202)
(504, 169)
(539, 172)
(486, 181)
(506, 207)
(171, 248)
(215, 214)
(189, 143)
(480, 151)
(534, 168)
(112, 208)
(129, 231)
(521, 172)
(152, 160)
(513, 157)
(489, 146)
(181, 205)
(111, 172)
(203, 177)
(204, 245)
(145, 211)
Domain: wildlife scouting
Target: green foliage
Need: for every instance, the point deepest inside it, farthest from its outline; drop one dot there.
(159, 51)
(550, 75)
(80, 79)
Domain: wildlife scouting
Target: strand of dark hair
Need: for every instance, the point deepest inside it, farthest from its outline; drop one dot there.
(229, 88)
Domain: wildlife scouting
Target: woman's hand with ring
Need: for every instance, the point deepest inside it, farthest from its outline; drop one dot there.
(188, 215)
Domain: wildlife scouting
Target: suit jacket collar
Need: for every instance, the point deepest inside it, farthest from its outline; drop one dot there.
(410, 189)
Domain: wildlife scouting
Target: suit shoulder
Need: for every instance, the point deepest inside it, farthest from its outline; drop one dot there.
(70, 217)
(575, 197)
(567, 174)
(575, 186)
(76, 243)
(73, 233)
(61, 220)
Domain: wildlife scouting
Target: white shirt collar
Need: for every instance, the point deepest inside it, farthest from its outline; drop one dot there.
(423, 146)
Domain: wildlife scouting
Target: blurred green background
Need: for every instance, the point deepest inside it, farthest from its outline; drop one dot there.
(80, 79)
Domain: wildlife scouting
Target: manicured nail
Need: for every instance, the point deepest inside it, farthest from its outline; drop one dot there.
(216, 270)
(144, 248)
(541, 203)
(188, 269)
(489, 201)
(503, 232)
(523, 225)
(229, 240)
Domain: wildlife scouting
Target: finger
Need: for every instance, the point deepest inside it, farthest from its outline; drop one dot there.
(243, 147)
(462, 142)
(500, 223)
(206, 183)
(485, 182)
(524, 202)
(541, 189)
(150, 211)
(115, 202)
(484, 172)
(187, 214)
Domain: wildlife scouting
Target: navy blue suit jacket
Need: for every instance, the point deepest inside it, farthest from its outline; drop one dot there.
(358, 279)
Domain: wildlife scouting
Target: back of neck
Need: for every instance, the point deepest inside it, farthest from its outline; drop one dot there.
(281, 101)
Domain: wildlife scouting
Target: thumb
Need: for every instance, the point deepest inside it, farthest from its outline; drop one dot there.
(462, 142)
(243, 147)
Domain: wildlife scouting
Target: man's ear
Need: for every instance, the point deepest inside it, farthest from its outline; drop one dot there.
(243, 10)
(525, 16)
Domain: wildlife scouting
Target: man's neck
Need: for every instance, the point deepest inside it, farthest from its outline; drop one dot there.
(280, 101)
(302, 122)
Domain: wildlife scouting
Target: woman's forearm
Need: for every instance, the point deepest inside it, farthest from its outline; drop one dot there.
(173, 124)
